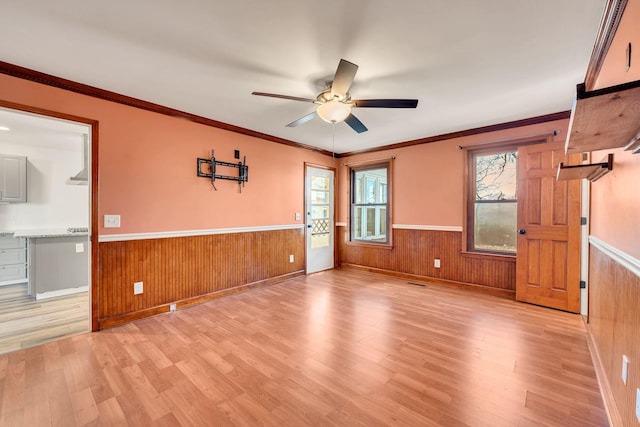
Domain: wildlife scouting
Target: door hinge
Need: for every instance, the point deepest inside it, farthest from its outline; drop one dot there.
(583, 220)
(583, 284)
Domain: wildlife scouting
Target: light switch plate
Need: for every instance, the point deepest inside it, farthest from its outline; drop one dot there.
(112, 221)
(79, 248)
(291, 258)
(298, 216)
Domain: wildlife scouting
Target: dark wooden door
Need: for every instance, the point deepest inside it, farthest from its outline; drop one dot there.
(548, 260)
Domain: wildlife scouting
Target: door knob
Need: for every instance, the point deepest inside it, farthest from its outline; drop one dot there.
(522, 231)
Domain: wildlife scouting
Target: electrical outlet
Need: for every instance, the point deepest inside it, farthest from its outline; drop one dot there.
(625, 369)
(638, 404)
(112, 221)
(298, 216)
(436, 263)
(172, 307)
(138, 288)
(291, 258)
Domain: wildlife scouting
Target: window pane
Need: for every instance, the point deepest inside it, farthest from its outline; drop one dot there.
(357, 223)
(383, 221)
(370, 186)
(495, 226)
(496, 176)
(358, 189)
(371, 222)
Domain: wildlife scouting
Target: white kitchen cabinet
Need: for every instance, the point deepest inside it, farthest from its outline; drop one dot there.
(13, 178)
(13, 260)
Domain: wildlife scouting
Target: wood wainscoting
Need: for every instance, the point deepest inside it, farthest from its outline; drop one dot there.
(614, 329)
(413, 254)
(190, 270)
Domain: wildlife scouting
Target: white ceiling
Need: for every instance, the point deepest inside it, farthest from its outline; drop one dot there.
(469, 63)
(39, 131)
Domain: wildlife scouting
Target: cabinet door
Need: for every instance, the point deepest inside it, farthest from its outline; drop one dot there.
(13, 178)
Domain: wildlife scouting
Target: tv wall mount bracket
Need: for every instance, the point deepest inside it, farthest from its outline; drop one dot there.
(243, 170)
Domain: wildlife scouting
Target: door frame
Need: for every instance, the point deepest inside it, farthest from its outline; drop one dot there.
(94, 284)
(307, 165)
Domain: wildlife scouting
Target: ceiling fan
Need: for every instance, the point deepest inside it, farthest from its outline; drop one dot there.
(335, 103)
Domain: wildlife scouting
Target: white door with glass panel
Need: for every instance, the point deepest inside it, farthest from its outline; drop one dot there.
(319, 219)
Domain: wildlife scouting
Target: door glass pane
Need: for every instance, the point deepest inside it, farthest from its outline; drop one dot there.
(319, 183)
(320, 197)
(495, 226)
(318, 212)
(320, 221)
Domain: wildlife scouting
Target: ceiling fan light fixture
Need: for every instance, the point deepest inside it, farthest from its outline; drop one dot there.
(334, 111)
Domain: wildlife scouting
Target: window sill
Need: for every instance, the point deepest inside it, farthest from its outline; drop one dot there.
(387, 246)
(489, 256)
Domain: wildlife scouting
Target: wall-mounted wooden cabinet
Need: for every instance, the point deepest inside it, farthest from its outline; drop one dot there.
(13, 178)
(604, 118)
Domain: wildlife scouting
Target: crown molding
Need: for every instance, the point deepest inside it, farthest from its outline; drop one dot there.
(610, 22)
(469, 132)
(83, 89)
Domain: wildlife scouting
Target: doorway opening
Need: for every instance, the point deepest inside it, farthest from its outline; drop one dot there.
(45, 227)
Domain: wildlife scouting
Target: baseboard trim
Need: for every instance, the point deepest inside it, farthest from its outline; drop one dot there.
(615, 419)
(505, 293)
(61, 292)
(188, 302)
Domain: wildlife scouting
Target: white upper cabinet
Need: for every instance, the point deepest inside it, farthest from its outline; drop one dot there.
(13, 178)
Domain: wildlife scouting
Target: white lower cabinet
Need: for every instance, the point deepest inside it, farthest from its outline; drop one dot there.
(13, 260)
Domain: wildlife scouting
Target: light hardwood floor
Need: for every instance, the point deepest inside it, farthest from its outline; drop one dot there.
(335, 348)
(25, 322)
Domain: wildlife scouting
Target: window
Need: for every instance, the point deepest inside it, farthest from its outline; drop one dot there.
(370, 203)
(492, 205)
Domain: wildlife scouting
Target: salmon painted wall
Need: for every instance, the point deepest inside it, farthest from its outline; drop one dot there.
(615, 200)
(147, 167)
(614, 68)
(428, 178)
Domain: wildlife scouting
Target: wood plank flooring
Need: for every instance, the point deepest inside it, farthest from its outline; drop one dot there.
(25, 322)
(337, 348)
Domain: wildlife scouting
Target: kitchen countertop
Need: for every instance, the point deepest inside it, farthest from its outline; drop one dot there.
(47, 232)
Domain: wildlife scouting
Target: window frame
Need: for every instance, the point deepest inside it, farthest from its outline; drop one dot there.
(470, 196)
(360, 167)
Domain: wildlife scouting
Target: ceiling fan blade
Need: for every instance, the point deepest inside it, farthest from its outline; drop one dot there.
(343, 78)
(355, 124)
(385, 103)
(275, 95)
(302, 120)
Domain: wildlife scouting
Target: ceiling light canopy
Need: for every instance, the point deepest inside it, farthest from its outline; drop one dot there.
(334, 111)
